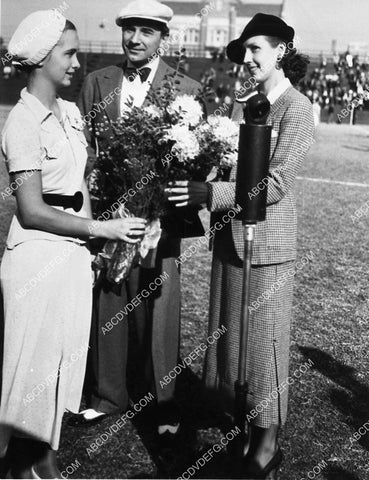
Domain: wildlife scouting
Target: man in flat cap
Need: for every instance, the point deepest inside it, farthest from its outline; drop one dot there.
(144, 26)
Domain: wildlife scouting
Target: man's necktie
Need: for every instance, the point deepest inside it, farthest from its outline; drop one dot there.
(143, 73)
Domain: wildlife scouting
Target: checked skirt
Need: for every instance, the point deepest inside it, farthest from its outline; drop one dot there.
(269, 337)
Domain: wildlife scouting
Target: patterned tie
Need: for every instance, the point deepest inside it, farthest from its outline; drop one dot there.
(132, 72)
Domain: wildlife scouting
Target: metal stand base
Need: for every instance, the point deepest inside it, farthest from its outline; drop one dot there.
(241, 386)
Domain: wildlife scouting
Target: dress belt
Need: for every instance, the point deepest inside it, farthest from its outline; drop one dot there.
(66, 201)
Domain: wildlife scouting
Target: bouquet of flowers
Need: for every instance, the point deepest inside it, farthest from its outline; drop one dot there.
(197, 146)
(149, 147)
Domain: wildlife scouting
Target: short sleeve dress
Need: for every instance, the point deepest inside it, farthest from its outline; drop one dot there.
(45, 280)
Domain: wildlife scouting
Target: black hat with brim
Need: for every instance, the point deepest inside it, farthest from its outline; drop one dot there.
(260, 24)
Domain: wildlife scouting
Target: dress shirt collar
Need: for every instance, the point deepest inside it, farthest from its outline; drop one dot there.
(277, 91)
(153, 65)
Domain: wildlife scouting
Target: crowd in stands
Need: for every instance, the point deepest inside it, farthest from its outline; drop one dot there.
(333, 86)
(346, 85)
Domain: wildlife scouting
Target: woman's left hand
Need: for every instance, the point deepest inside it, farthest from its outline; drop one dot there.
(184, 192)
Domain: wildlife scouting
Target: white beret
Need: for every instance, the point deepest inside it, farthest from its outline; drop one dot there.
(146, 9)
(36, 36)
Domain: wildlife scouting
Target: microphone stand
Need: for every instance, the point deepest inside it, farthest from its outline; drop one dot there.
(252, 168)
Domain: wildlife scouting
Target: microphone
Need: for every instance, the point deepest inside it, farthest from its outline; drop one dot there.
(253, 160)
(251, 195)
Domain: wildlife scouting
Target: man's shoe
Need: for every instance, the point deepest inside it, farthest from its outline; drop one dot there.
(171, 429)
(168, 420)
(87, 418)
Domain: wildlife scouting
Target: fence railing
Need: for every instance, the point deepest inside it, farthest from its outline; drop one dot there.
(116, 47)
(90, 46)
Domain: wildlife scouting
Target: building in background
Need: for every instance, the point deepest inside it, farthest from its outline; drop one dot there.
(221, 21)
(210, 25)
(322, 26)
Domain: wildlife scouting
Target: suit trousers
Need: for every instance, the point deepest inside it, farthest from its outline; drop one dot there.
(152, 327)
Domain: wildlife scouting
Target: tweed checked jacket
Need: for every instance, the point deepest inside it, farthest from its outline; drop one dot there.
(291, 118)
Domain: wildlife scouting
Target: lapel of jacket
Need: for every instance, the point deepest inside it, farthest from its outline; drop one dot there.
(237, 112)
(278, 103)
(237, 116)
(107, 83)
(162, 70)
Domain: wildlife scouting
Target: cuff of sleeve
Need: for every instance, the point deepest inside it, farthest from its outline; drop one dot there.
(209, 201)
(221, 196)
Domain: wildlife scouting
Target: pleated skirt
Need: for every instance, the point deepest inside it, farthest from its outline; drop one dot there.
(47, 291)
(269, 339)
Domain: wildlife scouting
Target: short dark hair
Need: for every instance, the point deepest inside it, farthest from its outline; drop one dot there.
(69, 25)
(294, 64)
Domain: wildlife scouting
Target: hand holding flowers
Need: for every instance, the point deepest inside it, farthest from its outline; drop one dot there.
(130, 230)
(169, 143)
(184, 192)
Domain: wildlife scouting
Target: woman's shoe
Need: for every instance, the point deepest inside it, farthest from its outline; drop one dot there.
(21, 458)
(5, 464)
(253, 470)
(46, 466)
(32, 459)
(23, 473)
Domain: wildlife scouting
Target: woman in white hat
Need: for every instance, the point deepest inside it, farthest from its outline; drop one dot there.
(45, 271)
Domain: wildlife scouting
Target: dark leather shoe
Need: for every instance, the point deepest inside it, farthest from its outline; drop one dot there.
(23, 453)
(32, 459)
(24, 473)
(5, 464)
(46, 466)
(251, 469)
(168, 420)
(79, 420)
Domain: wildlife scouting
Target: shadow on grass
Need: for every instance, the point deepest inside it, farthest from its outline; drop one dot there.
(352, 398)
(340, 474)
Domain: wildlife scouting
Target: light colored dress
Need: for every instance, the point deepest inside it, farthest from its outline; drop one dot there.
(45, 281)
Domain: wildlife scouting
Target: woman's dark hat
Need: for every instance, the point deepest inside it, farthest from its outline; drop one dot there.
(260, 24)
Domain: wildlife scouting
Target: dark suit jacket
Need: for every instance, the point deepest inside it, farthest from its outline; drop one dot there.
(291, 118)
(98, 96)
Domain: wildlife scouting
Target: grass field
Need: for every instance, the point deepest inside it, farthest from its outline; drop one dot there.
(330, 402)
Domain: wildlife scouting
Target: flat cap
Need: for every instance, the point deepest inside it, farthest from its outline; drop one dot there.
(145, 9)
(260, 24)
(36, 36)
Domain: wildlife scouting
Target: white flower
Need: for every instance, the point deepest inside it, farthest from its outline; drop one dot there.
(74, 115)
(203, 128)
(186, 146)
(225, 132)
(188, 108)
(229, 160)
(224, 129)
(153, 111)
(78, 123)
